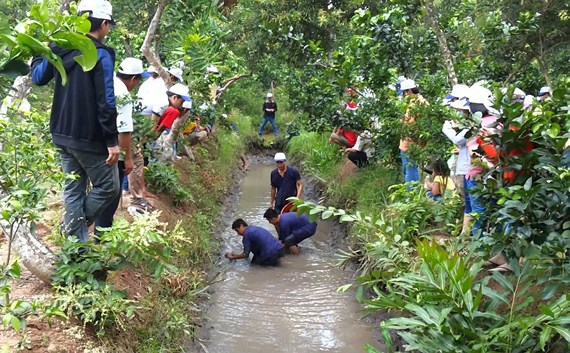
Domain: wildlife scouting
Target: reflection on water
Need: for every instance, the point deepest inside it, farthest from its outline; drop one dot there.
(292, 308)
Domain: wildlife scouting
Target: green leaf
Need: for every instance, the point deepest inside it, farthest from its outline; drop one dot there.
(554, 130)
(528, 184)
(327, 214)
(15, 322)
(563, 331)
(70, 40)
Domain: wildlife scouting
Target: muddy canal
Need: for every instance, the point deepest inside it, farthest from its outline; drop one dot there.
(292, 308)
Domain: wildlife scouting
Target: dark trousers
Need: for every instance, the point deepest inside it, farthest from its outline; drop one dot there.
(273, 260)
(105, 220)
(359, 158)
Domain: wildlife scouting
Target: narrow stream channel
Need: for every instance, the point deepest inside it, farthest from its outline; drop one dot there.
(292, 308)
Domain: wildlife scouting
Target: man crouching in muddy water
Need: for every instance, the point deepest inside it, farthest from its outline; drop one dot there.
(292, 229)
(265, 248)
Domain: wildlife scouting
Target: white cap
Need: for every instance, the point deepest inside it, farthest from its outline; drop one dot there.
(544, 90)
(269, 95)
(132, 66)
(180, 90)
(151, 69)
(279, 157)
(176, 72)
(406, 85)
(212, 69)
(460, 104)
(187, 104)
(100, 9)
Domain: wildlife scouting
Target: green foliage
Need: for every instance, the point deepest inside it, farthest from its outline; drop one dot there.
(530, 218)
(14, 313)
(164, 178)
(80, 280)
(319, 157)
(28, 165)
(448, 309)
(29, 37)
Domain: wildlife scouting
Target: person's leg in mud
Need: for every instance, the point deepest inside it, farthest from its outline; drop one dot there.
(297, 236)
(273, 260)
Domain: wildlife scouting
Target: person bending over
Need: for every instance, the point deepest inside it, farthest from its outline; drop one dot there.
(292, 229)
(265, 248)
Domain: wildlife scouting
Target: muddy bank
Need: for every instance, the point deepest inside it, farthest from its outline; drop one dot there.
(293, 308)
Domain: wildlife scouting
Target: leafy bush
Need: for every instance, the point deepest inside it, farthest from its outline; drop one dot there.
(164, 178)
(80, 280)
(448, 309)
(317, 156)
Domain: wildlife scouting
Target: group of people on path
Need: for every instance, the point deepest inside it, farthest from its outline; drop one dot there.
(291, 228)
(92, 124)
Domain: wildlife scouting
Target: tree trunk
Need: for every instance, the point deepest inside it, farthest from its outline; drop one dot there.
(17, 97)
(33, 253)
(443, 47)
(146, 48)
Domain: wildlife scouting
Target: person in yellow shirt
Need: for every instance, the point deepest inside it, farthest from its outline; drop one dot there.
(440, 182)
(196, 133)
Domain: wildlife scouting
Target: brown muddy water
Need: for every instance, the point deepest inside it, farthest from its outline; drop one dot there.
(292, 308)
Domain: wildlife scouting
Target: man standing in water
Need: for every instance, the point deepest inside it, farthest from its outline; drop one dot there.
(292, 229)
(265, 248)
(285, 182)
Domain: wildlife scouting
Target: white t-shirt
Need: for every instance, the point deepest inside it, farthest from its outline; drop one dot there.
(124, 107)
(152, 95)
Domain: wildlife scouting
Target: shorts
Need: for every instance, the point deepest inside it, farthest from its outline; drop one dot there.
(273, 260)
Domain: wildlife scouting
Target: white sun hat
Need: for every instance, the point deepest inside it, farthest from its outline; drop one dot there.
(269, 95)
(460, 104)
(406, 85)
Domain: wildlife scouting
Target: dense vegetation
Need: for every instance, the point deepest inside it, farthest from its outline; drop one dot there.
(311, 51)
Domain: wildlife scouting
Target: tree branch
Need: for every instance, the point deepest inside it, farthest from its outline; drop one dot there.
(443, 47)
(230, 81)
(150, 35)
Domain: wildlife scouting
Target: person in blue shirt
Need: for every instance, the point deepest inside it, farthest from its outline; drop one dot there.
(292, 229)
(285, 182)
(265, 248)
(83, 122)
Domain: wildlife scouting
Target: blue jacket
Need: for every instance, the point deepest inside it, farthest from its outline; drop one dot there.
(84, 113)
